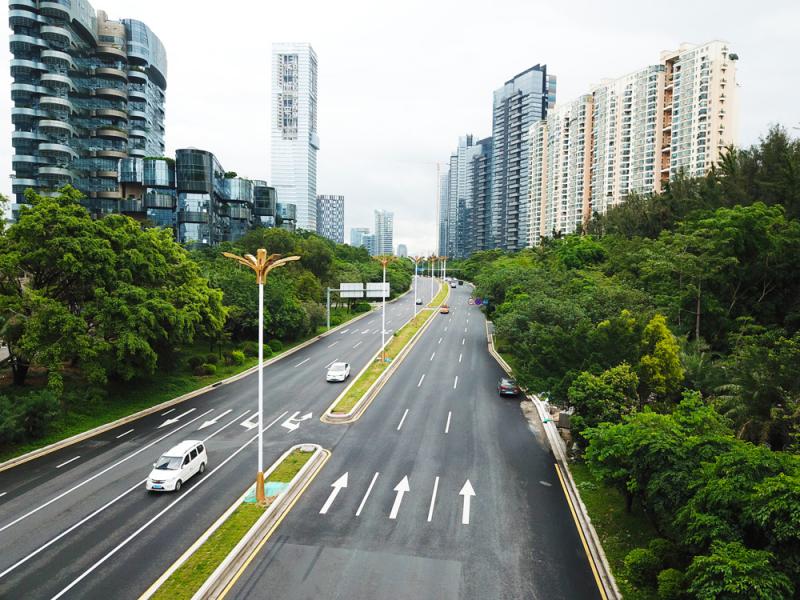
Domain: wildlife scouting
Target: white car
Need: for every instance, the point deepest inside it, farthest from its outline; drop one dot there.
(176, 466)
(338, 371)
(419, 301)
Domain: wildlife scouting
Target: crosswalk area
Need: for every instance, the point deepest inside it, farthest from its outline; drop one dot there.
(351, 496)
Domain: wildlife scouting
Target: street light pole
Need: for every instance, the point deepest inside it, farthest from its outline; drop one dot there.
(384, 260)
(432, 258)
(262, 265)
(415, 260)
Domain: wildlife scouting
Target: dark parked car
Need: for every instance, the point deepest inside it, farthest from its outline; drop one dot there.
(460, 282)
(508, 387)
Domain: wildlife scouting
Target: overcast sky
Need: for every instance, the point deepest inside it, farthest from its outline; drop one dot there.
(400, 81)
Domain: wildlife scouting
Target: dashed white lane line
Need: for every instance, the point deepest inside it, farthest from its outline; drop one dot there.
(366, 495)
(66, 463)
(421, 379)
(376, 331)
(343, 331)
(546, 483)
(455, 383)
(302, 362)
(169, 411)
(332, 345)
(433, 499)
(432, 355)
(365, 331)
(124, 434)
(328, 366)
(440, 341)
(447, 426)
(400, 424)
(357, 345)
(459, 357)
(445, 328)
(463, 340)
(465, 329)
(3, 494)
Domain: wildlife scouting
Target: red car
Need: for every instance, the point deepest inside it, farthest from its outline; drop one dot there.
(508, 387)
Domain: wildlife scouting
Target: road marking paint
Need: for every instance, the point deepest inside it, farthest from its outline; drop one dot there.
(337, 487)
(96, 475)
(401, 489)
(365, 331)
(69, 461)
(164, 414)
(432, 355)
(445, 328)
(463, 340)
(176, 419)
(468, 493)
(433, 499)
(465, 329)
(328, 366)
(147, 525)
(3, 494)
(124, 434)
(546, 483)
(215, 420)
(580, 533)
(440, 341)
(459, 357)
(357, 345)
(344, 331)
(332, 345)
(447, 427)
(421, 379)
(401, 420)
(366, 495)
(302, 362)
(455, 383)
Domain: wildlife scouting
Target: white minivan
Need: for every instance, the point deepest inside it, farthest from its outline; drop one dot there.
(176, 466)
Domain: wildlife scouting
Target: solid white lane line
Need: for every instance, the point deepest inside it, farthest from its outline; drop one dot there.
(455, 383)
(69, 461)
(158, 515)
(421, 379)
(440, 341)
(459, 357)
(433, 499)
(164, 414)
(366, 495)
(357, 345)
(401, 420)
(432, 355)
(96, 475)
(302, 362)
(124, 434)
(447, 427)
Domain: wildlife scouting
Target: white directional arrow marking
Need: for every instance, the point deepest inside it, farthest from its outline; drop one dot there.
(336, 485)
(467, 492)
(401, 488)
(291, 425)
(214, 421)
(249, 422)
(176, 419)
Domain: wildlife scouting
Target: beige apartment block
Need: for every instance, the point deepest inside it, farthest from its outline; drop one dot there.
(631, 135)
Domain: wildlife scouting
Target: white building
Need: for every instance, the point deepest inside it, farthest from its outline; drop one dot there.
(402, 250)
(330, 217)
(357, 236)
(295, 140)
(384, 233)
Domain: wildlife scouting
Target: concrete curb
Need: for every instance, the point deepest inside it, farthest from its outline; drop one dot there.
(232, 564)
(79, 437)
(598, 558)
(358, 409)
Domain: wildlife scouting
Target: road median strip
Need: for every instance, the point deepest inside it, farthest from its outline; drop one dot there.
(210, 565)
(444, 292)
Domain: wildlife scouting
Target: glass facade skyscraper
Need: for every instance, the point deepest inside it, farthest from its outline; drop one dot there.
(87, 92)
(330, 217)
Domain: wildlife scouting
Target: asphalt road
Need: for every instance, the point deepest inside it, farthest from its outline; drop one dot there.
(438, 426)
(78, 523)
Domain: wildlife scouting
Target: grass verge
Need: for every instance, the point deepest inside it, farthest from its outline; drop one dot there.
(439, 298)
(192, 574)
(371, 374)
(619, 531)
(125, 398)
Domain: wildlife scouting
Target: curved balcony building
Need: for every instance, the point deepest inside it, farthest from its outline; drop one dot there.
(76, 75)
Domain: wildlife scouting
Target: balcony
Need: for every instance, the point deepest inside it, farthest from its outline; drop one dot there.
(131, 205)
(24, 91)
(137, 114)
(112, 52)
(111, 72)
(26, 160)
(23, 66)
(26, 138)
(31, 4)
(56, 103)
(139, 94)
(25, 43)
(111, 133)
(111, 113)
(19, 184)
(136, 76)
(26, 115)
(186, 216)
(57, 151)
(23, 18)
(58, 59)
(57, 173)
(56, 35)
(110, 93)
(109, 154)
(137, 152)
(59, 82)
(138, 133)
(54, 127)
(55, 8)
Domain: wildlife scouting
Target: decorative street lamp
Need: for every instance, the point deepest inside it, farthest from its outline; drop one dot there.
(415, 260)
(384, 260)
(431, 260)
(262, 265)
(443, 267)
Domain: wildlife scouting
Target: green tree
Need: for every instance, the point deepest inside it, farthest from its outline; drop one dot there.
(659, 369)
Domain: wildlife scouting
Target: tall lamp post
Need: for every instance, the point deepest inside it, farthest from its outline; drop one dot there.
(432, 258)
(262, 265)
(415, 260)
(384, 260)
(443, 267)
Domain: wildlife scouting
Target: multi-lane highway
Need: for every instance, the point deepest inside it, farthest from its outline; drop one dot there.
(78, 523)
(441, 490)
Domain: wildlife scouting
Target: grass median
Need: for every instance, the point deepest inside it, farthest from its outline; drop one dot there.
(192, 574)
(440, 296)
(371, 374)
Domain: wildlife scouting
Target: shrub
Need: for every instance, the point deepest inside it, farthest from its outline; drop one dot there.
(360, 307)
(212, 358)
(671, 585)
(642, 566)
(28, 416)
(665, 551)
(237, 357)
(227, 356)
(276, 345)
(206, 369)
(195, 361)
(267, 351)
(250, 348)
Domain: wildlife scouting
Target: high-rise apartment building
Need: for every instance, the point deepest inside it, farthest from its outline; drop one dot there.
(369, 242)
(330, 217)
(631, 135)
(443, 209)
(402, 250)
(519, 103)
(479, 185)
(356, 236)
(384, 232)
(295, 140)
(87, 92)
